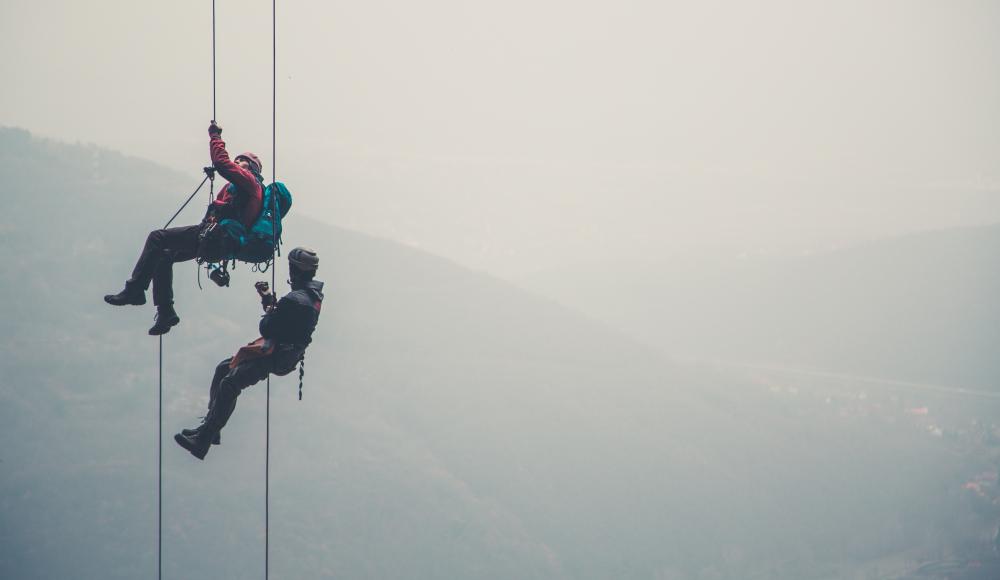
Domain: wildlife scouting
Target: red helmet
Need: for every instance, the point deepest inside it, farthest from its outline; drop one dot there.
(252, 159)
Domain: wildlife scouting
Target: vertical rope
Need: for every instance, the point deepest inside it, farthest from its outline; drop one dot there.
(214, 118)
(274, 267)
(159, 491)
(159, 474)
(211, 176)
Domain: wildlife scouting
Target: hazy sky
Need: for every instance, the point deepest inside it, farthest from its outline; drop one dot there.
(520, 135)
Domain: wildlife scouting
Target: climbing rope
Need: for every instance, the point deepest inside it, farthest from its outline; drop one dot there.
(211, 175)
(159, 491)
(213, 61)
(210, 178)
(274, 268)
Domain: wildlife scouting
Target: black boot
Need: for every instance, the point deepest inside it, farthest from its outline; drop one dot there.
(132, 294)
(200, 440)
(197, 444)
(165, 319)
(196, 430)
(220, 372)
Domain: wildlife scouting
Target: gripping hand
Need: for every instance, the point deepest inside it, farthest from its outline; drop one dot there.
(267, 299)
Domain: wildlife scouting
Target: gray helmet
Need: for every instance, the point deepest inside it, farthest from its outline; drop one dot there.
(304, 259)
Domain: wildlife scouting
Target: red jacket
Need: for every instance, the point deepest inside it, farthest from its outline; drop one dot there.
(245, 181)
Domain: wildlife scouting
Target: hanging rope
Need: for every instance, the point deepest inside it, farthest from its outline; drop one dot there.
(274, 268)
(302, 372)
(213, 61)
(211, 188)
(209, 177)
(210, 171)
(159, 491)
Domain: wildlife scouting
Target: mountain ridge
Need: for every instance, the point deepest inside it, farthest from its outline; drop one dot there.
(915, 307)
(450, 427)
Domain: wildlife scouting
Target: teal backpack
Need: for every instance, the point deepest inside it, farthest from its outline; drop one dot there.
(256, 246)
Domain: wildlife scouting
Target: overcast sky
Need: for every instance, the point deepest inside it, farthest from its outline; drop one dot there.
(520, 135)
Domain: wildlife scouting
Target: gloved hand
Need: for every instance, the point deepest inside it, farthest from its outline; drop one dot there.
(214, 130)
(267, 299)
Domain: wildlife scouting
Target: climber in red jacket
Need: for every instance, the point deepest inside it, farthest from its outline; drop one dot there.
(239, 199)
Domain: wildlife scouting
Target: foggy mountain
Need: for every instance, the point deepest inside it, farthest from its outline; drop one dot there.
(921, 307)
(452, 425)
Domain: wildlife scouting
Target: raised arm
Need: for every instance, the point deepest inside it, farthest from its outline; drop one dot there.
(229, 170)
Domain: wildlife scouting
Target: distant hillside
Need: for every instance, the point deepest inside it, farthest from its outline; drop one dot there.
(452, 426)
(921, 307)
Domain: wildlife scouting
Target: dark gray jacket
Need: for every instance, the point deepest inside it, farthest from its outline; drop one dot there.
(293, 320)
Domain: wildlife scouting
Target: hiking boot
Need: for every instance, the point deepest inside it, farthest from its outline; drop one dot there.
(200, 439)
(131, 295)
(192, 432)
(165, 319)
(197, 444)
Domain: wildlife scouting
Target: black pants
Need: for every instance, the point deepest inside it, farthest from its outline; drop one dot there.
(227, 384)
(163, 249)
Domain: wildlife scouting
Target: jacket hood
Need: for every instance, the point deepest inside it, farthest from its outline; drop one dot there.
(315, 288)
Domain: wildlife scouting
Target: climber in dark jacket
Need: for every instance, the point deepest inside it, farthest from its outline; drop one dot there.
(286, 330)
(240, 199)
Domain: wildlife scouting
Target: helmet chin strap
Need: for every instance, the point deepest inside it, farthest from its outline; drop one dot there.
(295, 281)
(298, 278)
